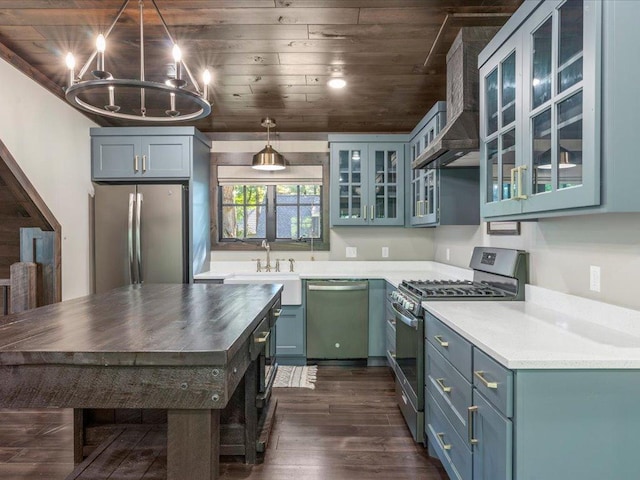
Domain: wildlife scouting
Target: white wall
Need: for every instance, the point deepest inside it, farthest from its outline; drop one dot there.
(561, 252)
(50, 141)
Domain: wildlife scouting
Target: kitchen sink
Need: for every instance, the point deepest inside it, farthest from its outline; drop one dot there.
(292, 285)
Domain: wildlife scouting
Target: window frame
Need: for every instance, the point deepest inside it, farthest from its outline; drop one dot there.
(310, 158)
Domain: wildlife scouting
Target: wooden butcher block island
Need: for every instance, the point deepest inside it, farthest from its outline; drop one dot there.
(162, 360)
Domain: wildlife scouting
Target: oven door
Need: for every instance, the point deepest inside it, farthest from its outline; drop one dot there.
(410, 355)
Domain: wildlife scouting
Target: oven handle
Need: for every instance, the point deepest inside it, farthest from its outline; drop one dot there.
(412, 322)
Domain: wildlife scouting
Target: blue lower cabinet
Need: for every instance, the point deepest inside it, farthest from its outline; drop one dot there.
(290, 334)
(447, 445)
(493, 452)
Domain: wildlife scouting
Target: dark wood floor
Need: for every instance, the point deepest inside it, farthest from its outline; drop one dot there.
(349, 427)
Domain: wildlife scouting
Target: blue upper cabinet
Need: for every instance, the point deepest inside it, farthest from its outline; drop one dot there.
(557, 105)
(446, 196)
(367, 180)
(421, 195)
(141, 153)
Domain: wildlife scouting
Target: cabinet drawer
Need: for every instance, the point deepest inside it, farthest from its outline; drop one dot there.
(494, 381)
(451, 345)
(451, 449)
(451, 390)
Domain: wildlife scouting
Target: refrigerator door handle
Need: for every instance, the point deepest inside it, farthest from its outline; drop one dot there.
(138, 240)
(132, 273)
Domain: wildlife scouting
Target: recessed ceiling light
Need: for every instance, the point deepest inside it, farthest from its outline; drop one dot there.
(337, 83)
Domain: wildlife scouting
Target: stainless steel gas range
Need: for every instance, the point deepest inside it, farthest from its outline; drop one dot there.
(498, 274)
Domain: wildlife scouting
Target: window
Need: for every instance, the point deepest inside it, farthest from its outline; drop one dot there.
(271, 212)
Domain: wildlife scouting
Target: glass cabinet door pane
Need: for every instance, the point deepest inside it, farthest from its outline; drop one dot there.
(570, 44)
(509, 90)
(541, 71)
(508, 161)
(392, 166)
(493, 193)
(542, 155)
(349, 183)
(570, 142)
(491, 99)
(431, 192)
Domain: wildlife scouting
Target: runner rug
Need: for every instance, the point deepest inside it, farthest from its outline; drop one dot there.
(300, 377)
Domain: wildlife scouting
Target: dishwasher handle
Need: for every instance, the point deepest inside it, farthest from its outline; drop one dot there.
(355, 286)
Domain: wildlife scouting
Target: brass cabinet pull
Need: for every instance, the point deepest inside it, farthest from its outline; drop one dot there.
(440, 382)
(263, 337)
(144, 163)
(480, 375)
(136, 158)
(443, 343)
(470, 411)
(516, 179)
(445, 446)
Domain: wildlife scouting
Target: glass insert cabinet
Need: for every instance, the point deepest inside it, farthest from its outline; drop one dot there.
(539, 121)
(367, 183)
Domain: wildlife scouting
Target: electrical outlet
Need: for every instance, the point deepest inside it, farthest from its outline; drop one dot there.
(352, 252)
(448, 254)
(594, 278)
(385, 252)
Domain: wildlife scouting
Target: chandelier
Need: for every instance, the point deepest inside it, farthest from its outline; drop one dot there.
(169, 101)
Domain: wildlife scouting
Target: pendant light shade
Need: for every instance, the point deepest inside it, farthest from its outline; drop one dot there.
(268, 158)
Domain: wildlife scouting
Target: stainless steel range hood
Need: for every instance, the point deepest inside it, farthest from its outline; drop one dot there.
(459, 140)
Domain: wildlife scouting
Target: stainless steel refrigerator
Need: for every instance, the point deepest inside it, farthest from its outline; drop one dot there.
(140, 235)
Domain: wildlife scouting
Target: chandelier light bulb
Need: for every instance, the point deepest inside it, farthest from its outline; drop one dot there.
(101, 43)
(70, 61)
(177, 54)
(71, 65)
(206, 79)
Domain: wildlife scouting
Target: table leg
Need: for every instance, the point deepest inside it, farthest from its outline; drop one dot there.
(78, 435)
(250, 413)
(193, 444)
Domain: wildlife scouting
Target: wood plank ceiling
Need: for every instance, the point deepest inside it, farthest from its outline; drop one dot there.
(268, 57)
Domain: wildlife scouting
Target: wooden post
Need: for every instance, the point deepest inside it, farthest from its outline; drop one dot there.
(24, 276)
(193, 444)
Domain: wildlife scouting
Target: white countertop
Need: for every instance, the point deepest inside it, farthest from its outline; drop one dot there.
(576, 333)
(392, 271)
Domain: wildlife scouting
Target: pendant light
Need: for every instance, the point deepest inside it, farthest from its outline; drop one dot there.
(268, 158)
(563, 161)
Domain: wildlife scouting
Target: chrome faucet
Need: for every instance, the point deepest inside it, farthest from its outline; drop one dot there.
(266, 246)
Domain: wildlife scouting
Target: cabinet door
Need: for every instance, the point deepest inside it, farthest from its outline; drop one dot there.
(165, 157)
(500, 130)
(561, 41)
(115, 157)
(140, 158)
(377, 318)
(349, 187)
(386, 183)
(430, 195)
(493, 452)
(290, 331)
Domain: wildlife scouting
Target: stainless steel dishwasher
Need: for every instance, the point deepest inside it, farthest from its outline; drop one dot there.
(337, 319)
